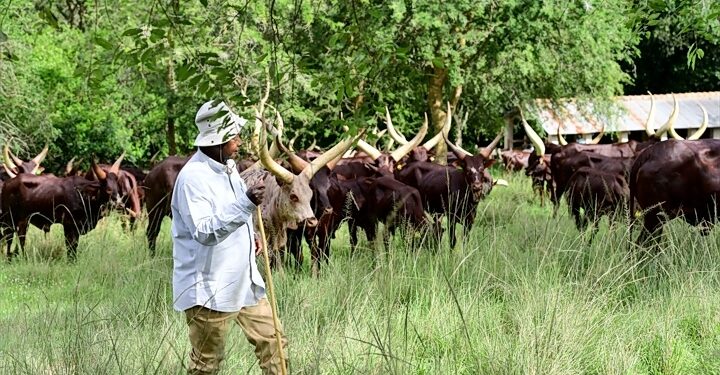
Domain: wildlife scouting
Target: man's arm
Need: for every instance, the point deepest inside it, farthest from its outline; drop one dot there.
(207, 227)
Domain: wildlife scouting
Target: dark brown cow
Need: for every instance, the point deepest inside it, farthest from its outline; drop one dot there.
(564, 168)
(158, 186)
(593, 193)
(75, 202)
(515, 160)
(127, 187)
(450, 191)
(676, 178)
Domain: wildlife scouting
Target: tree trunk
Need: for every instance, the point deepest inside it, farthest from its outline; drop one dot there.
(435, 102)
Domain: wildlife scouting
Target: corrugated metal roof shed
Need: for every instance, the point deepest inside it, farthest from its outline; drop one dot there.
(634, 112)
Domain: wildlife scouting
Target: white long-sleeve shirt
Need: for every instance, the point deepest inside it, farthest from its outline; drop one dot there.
(213, 238)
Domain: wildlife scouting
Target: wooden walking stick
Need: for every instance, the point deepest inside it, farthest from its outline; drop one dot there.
(271, 292)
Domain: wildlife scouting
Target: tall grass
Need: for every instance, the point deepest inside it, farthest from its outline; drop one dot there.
(522, 293)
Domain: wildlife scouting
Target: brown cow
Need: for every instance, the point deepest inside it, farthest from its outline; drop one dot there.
(593, 193)
(75, 202)
(158, 187)
(676, 178)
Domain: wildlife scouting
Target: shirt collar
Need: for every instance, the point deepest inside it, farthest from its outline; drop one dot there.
(214, 165)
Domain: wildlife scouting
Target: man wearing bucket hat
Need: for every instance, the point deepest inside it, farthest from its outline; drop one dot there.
(215, 277)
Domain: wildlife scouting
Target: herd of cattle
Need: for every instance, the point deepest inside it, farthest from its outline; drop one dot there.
(665, 179)
(309, 194)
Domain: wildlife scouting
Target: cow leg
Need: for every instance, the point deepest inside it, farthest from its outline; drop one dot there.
(652, 227)
(22, 230)
(294, 245)
(353, 237)
(71, 241)
(155, 218)
(7, 236)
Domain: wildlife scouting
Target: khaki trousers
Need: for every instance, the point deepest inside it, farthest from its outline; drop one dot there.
(208, 333)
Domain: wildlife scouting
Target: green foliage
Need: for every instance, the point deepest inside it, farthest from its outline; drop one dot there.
(102, 78)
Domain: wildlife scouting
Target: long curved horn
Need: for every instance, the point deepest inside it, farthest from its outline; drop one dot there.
(259, 133)
(41, 156)
(297, 163)
(369, 149)
(99, 172)
(116, 166)
(459, 152)
(485, 152)
(674, 134)
(434, 140)
(399, 138)
(698, 133)
(597, 138)
(561, 139)
(329, 155)
(671, 120)
(8, 161)
(651, 117)
(534, 137)
(406, 148)
(8, 171)
(69, 166)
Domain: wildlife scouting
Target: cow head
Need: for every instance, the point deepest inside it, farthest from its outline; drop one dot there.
(384, 163)
(14, 165)
(109, 186)
(475, 167)
(293, 200)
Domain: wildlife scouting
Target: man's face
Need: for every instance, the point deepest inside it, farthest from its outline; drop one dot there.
(230, 147)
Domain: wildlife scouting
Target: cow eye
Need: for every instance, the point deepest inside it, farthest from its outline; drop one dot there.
(294, 198)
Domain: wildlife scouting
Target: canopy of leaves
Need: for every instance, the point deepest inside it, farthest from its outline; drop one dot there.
(99, 78)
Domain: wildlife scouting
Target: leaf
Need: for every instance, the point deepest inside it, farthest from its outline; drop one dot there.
(102, 42)
(3, 37)
(131, 32)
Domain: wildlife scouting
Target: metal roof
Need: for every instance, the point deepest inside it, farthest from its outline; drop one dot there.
(634, 109)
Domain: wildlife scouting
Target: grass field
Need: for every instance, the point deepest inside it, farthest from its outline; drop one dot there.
(522, 294)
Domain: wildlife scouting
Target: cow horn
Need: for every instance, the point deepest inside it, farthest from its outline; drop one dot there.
(597, 138)
(561, 139)
(487, 151)
(671, 120)
(406, 148)
(8, 171)
(429, 145)
(297, 163)
(265, 158)
(99, 172)
(291, 144)
(674, 134)
(399, 138)
(8, 161)
(116, 166)
(330, 154)
(69, 166)
(459, 152)
(698, 133)
(369, 149)
(41, 156)
(651, 117)
(534, 137)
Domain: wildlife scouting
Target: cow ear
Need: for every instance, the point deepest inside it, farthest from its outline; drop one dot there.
(489, 163)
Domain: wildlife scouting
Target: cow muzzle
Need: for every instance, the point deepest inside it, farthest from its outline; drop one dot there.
(312, 223)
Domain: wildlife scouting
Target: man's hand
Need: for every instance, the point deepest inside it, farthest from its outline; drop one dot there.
(256, 194)
(258, 245)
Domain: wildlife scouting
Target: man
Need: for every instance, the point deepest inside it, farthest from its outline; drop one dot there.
(215, 277)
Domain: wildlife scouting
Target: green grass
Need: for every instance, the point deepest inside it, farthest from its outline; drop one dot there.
(523, 293)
